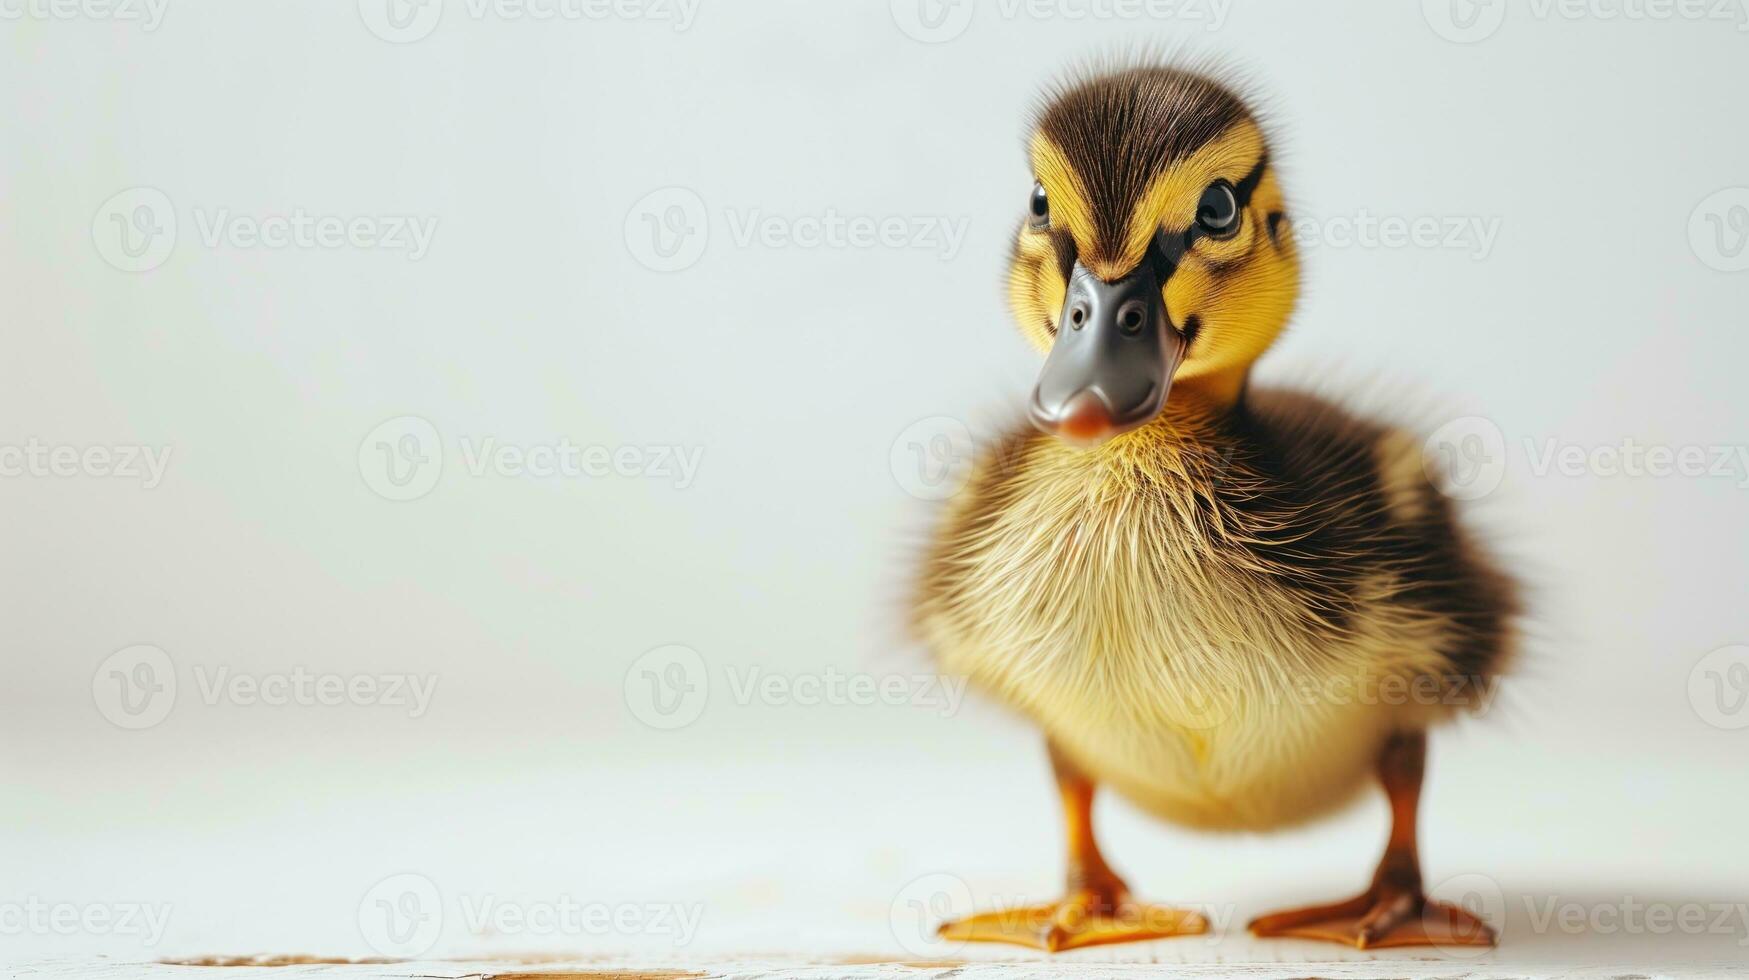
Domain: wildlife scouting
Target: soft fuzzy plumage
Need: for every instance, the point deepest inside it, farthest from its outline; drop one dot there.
(1220, 615)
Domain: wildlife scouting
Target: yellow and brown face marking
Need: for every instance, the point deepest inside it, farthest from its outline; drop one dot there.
(1110, 138)
(1125, 160)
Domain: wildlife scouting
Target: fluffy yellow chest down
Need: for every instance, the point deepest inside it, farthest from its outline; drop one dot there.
(1225, 648)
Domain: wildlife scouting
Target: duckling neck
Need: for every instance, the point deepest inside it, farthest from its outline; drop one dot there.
(1198, 420)
(1216, 393)
(1191, 421)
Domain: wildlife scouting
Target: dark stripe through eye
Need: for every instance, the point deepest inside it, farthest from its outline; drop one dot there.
(1248, 185)
(1169, 246)
(1063, 244)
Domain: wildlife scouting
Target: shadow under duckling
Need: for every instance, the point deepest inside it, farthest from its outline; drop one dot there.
(1204, 594)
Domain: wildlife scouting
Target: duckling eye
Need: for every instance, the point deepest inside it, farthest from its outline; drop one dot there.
(1217, 214)
(1038, 208)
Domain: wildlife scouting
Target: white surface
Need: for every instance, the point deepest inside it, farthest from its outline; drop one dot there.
(277, 848)
(799, 374)
(801, 970)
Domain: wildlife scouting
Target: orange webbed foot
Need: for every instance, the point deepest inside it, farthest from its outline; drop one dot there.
(1084, 918)
(1384, 916)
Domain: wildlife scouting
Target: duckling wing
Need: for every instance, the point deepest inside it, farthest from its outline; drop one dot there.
(1365, 505)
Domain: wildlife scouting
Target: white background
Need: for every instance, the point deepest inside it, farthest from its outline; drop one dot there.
(798, 373)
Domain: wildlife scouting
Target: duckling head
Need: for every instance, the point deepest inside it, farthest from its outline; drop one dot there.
(1155, 253)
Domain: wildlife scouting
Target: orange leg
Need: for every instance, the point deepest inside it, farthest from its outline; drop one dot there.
(1096, 908)
(1393, 911)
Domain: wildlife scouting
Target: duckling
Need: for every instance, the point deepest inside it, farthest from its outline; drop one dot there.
(1202, 592)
